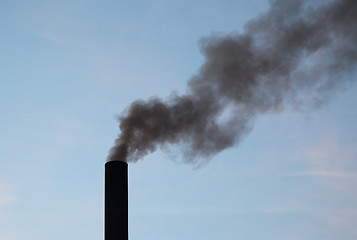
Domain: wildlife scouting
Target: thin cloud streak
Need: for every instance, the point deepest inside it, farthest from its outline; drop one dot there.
(321, 173)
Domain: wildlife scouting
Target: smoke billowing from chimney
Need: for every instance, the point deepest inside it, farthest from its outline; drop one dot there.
(295, 56)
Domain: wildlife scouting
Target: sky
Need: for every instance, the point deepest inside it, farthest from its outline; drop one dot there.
(69, 68)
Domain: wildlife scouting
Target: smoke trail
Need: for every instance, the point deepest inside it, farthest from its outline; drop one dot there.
(294, 56)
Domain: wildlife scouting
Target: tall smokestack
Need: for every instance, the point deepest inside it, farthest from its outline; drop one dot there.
(116, 201)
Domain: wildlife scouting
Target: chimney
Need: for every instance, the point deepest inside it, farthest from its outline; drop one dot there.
(116, 201)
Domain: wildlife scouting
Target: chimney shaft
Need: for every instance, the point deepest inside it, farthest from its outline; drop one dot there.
(116, 201)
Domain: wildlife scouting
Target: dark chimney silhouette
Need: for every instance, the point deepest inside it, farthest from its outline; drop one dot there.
(116, 201)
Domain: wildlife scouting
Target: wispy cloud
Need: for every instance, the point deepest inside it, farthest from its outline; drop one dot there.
(281, 210)
(332, 162)
(7, 198)
(324, 173)
(330, 156)
(6, 194)
(344, 218)
(49, 35)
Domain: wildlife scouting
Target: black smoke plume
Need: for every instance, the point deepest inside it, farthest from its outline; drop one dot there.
(294, 56)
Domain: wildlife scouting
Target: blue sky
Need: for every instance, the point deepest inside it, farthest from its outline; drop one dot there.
(68, 68)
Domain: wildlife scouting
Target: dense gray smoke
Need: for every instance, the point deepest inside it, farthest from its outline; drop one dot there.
(295, 56)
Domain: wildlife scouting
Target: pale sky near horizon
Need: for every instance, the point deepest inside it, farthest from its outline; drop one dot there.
(68, 68)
